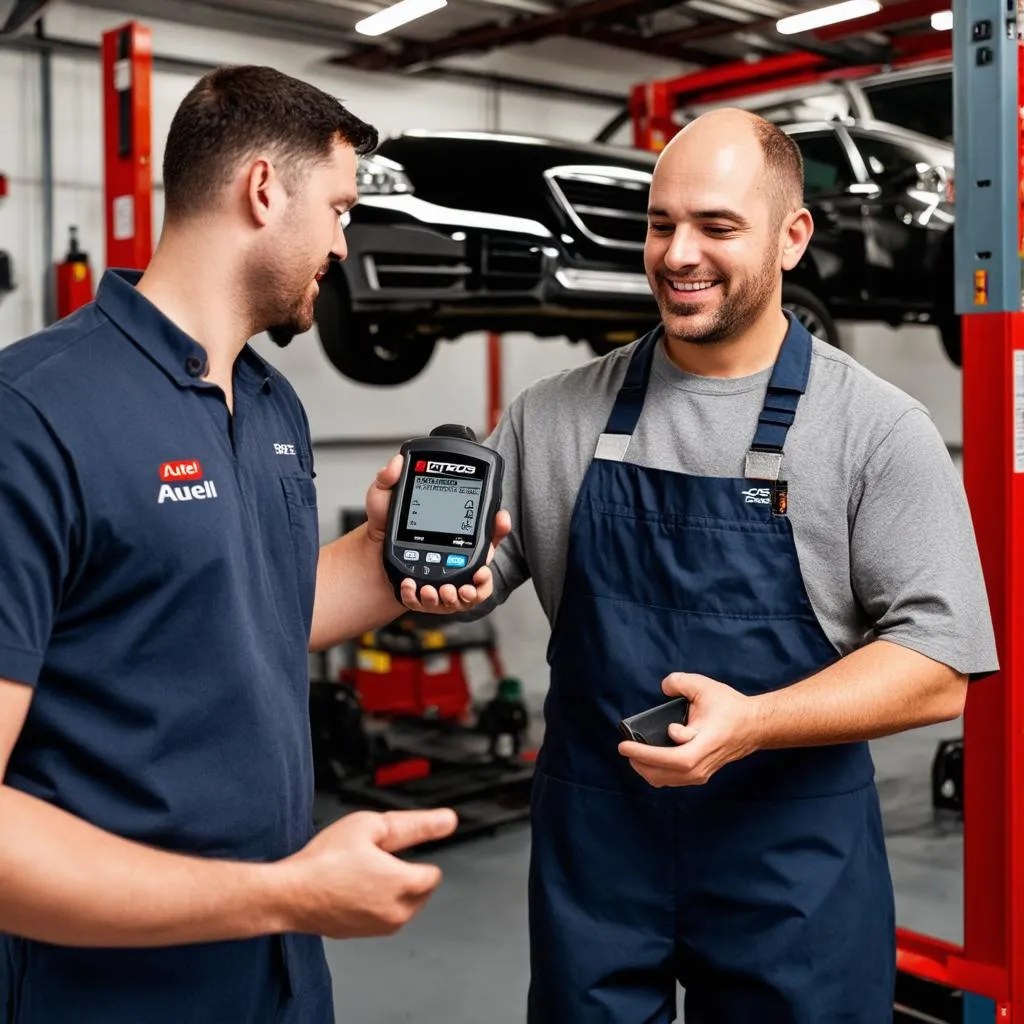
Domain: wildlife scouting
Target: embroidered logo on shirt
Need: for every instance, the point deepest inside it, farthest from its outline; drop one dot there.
(285, 449)
(756, 496)
(188, 470)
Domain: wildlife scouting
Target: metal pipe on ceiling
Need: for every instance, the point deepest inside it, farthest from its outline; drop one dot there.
(42, 43)
(46, 101)
(524, 30)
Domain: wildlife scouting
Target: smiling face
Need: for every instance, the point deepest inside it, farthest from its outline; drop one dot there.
(297, 252)
(720, 231)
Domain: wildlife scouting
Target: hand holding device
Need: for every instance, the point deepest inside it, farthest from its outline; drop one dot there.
(441, 516)
(651, 726)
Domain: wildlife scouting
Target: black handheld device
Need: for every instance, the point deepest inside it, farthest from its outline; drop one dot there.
(441, 518)
(651, 726)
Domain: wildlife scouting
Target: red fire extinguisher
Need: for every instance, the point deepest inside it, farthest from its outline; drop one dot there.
(74, 279)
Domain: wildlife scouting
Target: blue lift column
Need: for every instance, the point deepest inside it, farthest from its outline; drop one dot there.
(988, 292)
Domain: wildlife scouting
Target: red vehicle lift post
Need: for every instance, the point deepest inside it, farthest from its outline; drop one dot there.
(127, 121)
(988, 120)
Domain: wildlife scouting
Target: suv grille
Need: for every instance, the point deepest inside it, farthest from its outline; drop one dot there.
(608, 204)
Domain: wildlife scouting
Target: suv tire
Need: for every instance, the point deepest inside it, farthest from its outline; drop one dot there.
(352, 345)
(952, 341)
(811, 312)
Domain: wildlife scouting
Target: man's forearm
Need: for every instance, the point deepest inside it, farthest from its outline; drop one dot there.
(875, 691)
(353, 593)
(66, 882)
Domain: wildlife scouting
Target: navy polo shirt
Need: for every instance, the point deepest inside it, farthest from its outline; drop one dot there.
(157, 570)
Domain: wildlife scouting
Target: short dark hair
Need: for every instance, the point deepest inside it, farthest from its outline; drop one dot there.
(233, 112)
(784, 167)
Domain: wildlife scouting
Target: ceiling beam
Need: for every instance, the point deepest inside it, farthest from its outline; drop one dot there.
(651, 45)
(510, 83)
(14, 14)
(485, 37)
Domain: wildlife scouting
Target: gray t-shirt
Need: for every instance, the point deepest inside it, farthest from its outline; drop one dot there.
(882, 527)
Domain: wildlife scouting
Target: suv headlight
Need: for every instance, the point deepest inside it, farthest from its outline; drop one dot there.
(379, 176)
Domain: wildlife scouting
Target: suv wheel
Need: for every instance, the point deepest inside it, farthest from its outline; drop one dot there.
(811, 312)
(356, 347)
(952, 341)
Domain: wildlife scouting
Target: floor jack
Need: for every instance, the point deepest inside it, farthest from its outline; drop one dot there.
(399, 729)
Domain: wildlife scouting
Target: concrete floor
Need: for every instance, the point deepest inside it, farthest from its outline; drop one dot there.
(464, 959)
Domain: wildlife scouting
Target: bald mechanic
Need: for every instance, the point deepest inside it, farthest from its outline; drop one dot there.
(732, 511)
(160, 586)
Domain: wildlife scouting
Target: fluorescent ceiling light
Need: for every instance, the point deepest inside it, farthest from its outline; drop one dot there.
(397, 14)
(808, 20)
(942, 21)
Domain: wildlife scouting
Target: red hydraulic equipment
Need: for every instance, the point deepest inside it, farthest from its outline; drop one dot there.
(128, 200)
(405, 669)
(74, 279)
(495, 396)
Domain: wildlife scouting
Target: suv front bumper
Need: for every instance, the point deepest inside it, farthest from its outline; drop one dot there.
(408, 255)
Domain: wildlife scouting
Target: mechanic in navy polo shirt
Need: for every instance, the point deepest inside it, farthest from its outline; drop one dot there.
(160, 585)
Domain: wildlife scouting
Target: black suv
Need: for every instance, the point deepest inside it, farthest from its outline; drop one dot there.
(882, 202)
(471, 231)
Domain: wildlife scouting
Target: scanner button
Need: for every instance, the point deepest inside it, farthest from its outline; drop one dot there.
(459, 561)
(434, 557)
(410, 555)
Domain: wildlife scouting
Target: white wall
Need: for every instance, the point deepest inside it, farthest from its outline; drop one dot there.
(453, 388)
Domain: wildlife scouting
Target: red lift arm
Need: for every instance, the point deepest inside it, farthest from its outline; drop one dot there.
(128, 200)
(652, 104)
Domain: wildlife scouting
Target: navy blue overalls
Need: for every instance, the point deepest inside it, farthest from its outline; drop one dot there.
(765, 892)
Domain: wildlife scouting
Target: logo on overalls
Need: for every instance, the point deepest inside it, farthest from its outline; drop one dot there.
(188, 471)
(757, 496)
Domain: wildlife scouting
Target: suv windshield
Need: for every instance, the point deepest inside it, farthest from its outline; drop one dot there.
(923, 105)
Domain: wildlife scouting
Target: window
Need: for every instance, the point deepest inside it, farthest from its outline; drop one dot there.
(888, 160)
(826, 169)
(921, 104)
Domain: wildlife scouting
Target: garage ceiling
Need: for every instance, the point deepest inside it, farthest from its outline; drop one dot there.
(698, 33)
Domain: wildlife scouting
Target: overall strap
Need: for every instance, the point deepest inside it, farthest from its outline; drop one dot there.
(629, 403)
(787, 383)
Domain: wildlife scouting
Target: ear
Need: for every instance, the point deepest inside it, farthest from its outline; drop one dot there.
(263, 191)
(797, 229)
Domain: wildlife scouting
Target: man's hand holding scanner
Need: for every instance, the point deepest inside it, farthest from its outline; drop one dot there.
(722, 726)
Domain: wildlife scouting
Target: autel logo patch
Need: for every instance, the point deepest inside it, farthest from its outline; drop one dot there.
(284, 449)
(757, 496)
(183, 469)
(422, 466)
(187, 470)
